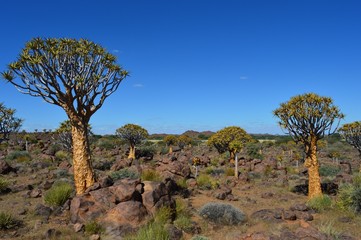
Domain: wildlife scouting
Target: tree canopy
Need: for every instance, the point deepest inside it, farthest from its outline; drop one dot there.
(351, 132)
(231, 139)
(77, 75)
(8, 122)
(308, 115)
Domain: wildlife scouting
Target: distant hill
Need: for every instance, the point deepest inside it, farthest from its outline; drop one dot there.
(190, 133)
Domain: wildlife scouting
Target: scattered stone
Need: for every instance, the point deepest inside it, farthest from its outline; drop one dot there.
(94, 237)
(42, 210)
(299, 207)
(345, 219)
(267, 195)
(174, 233)
(35, 193)
(78, 227)
(289, 215)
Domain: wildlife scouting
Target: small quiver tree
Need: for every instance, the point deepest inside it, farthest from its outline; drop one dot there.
(8, 122)
(170, 140)
(134, 135)
(183, 140)
(76, 75)
(351, 132)
(231, 139)
(308, 118)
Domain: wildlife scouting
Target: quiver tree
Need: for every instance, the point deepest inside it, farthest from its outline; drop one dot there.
(76, 75)
(183, 140)
(8, 122)
(351, 132)
(170, 140)
(308, 118)
(134, 135)
(231, 139)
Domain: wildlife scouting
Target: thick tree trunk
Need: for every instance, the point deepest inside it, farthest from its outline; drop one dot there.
(314, 180)
(131, 152)
(83, 171)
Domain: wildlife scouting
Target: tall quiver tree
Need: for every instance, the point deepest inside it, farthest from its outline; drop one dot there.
(134, 135)
(308, 118)
(351, 132)
(8, 122)
(77, 75)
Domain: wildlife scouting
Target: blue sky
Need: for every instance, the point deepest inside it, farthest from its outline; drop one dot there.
(197, 64)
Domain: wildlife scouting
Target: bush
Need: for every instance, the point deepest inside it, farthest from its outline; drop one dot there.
(221, 213)
(151, 175)
(184, 222)
(329, 170)
(61, 155)
(106, 143)
(7, 221)
(205, 182)
(320, 203)
(329, 229)
(58, 194)
(93, 227)
(163, 215)
(214, 171)
(152, 231)
(124, 173)
(19, 156)
(3, 184)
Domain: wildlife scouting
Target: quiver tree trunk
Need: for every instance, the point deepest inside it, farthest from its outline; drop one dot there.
(232, 155)
(131, 152)
(83, 171)
(311, 163)
(170, 149)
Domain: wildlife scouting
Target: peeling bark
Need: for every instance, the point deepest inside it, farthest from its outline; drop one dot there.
(311, 163)
(83, 171)
(131, 152)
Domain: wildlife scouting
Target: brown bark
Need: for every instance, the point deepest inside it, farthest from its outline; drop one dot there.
(311, 163)
(83, 171)
(131, 152)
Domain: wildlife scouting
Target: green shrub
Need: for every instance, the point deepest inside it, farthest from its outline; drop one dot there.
(221, 213)
(61, 155)
(329, 229)
(163, 215)
(151, 175)
(329, 170)
(320, 203)
(184, 222)
(124, 173)
(152, 231)
(182, 183)
(7, 221)
(214, 171)
(19, 156)
(205, 182)
(3, 184)
(58, 194)
(106, 143)
(93, 227)
(356, 180)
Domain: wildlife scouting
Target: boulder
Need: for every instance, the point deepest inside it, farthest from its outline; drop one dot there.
(157, 195)
(5, 168)
(121, 163)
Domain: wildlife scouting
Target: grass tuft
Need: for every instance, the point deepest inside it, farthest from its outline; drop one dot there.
(58, 194)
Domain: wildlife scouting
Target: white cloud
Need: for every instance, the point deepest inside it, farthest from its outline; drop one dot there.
(138, 85)
(116, 51)
(243, 77)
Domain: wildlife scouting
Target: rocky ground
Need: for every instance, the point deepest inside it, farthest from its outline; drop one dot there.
(269, 192)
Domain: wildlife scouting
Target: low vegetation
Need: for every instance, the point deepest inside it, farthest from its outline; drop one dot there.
(58, 194)
(224, 214)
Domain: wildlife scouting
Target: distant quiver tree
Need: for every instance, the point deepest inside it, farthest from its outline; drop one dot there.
(76, 75)
(133, 134)
(8, 122)
(351, 132)
(170, 140)
(231, 139)
(308, 118)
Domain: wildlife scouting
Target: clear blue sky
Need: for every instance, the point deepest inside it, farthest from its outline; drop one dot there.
(197, 64)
